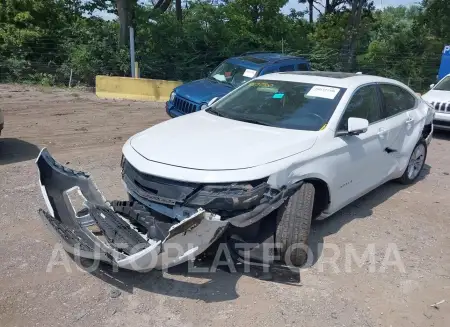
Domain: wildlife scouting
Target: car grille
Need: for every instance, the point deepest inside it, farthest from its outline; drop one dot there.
(441, 106)
(184, 105)
(156, 189)
(437, 122)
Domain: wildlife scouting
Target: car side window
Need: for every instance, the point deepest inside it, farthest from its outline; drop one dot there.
(287, 68)
(302, 67)
(363, 104)
(396, 99)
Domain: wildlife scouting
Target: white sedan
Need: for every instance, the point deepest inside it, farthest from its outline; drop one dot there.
(257, 165)
(439, 97)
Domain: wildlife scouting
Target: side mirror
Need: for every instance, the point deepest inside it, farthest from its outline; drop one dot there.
(212, 101)
(357, 125)
(432, 85)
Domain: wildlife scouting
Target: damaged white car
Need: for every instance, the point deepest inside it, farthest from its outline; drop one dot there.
(257, 166)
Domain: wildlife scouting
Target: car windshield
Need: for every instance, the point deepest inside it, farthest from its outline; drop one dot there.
(444, 85)
(283, 104)
(232, 74)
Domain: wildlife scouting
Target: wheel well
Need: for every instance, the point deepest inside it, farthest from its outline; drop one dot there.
(426, 131)
(321, 196)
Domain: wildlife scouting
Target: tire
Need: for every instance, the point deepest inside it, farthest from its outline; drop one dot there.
(406, 177)
(294, 224)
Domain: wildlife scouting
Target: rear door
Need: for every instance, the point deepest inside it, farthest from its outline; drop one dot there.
(399, 110)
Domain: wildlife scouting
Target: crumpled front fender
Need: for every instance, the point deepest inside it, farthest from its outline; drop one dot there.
(87, 225)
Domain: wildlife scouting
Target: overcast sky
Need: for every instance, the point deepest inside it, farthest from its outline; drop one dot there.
(378, 3)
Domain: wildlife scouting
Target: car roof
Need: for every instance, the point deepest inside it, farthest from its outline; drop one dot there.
(326, 74)
(264, 58)
(336, 79)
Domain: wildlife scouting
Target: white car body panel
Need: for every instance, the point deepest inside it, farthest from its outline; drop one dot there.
(437, 95)
(252, 145)
(224, 150)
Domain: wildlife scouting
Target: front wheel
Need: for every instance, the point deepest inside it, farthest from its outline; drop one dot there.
(294, 224)
(415, 164)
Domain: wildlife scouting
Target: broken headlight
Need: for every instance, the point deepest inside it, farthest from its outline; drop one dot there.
(237, 196)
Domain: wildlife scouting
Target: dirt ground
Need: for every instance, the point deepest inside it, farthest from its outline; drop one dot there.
(87, 133)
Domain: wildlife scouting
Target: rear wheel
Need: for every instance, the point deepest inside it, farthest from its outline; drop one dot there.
(294, 224)
(415, 164)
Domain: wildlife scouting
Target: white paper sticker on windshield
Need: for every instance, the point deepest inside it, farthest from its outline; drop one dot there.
(250, 73)
(323, 92)
(220, 78)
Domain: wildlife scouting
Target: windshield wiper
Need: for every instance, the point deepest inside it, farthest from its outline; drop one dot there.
(229, 83)
(225, 82)
(213, 79)
(219, 81)
(245, 120)
(215, 112)
(251, 121)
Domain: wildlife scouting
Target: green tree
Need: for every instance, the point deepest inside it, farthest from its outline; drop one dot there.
(436, 18)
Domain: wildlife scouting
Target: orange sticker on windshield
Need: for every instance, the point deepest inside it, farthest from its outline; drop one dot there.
(261, 84)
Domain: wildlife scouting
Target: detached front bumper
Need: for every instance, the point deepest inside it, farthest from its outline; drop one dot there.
(87, 225)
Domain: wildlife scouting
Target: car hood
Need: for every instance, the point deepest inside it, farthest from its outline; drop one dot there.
(202, 90)
(206, 142)
(437, 96)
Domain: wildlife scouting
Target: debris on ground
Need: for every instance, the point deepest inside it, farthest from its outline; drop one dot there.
(114, 293)
(436, 305)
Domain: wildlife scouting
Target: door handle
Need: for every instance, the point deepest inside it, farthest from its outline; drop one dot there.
(381, 132)
(409, 120)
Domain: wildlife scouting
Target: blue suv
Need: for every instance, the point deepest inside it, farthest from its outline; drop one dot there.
(231, 73)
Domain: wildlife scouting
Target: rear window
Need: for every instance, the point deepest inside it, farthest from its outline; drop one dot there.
(283, 104)
(396, 99)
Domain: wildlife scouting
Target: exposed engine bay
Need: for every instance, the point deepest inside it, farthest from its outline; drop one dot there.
(162, 224)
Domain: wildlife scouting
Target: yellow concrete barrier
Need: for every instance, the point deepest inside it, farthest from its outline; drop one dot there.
(113, 87)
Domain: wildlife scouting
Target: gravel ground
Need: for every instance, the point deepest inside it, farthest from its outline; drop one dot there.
(87, 133)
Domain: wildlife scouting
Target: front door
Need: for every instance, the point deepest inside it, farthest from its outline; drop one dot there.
(359, 159)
